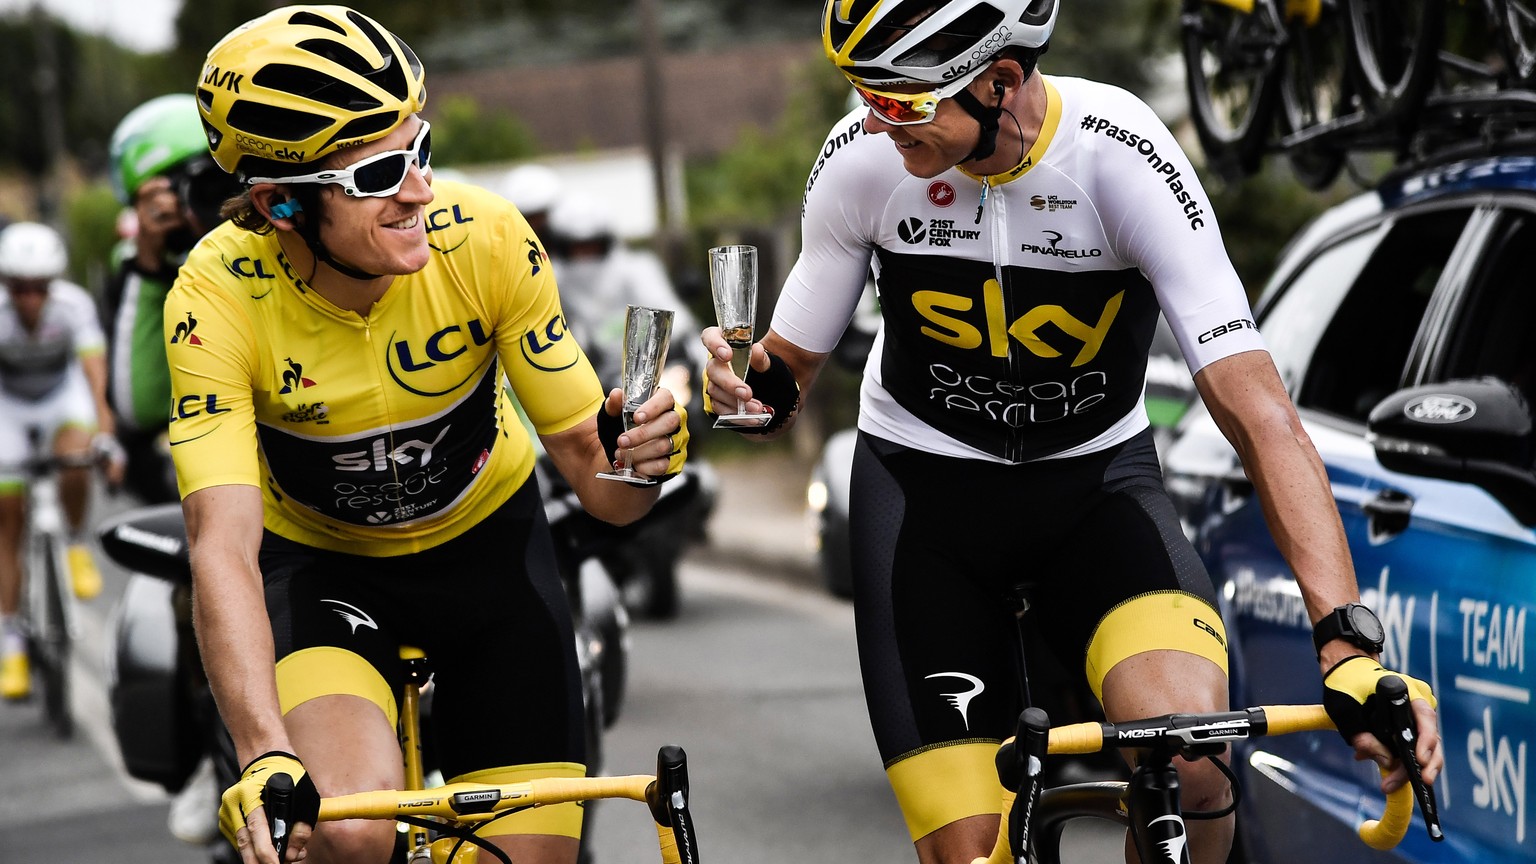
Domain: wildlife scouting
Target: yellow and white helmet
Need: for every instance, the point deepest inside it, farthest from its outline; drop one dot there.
(302, 82)
(877, 42)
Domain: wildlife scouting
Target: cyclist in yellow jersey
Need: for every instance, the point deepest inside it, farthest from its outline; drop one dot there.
(352, 472)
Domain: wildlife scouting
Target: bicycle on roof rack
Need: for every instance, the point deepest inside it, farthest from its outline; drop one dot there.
(1317, 80)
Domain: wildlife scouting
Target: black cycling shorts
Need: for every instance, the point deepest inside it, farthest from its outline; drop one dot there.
(487, 607)
(938, 545)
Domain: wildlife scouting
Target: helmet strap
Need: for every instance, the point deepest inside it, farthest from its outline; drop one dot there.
(987, 117)
(308, 230)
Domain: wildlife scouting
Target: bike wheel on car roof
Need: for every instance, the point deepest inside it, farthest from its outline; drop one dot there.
(1395, 46)
(1315, 91)
(1232, 64)
(1514, 26)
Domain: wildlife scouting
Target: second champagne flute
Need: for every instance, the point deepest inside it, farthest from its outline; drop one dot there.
(733, 280)
(646, 334)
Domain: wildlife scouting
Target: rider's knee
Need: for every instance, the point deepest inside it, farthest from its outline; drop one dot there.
(351, 840)
(1203, 786)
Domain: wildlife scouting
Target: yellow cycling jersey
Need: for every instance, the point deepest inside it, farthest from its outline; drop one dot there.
(381, 434)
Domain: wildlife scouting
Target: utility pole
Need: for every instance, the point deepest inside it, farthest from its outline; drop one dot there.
(50, 109)
(654, 99)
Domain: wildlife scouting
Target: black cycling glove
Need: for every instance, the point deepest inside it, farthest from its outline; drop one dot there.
(778, 390)
(245, 796)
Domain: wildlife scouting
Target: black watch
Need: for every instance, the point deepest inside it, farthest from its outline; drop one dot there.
(1355, 624)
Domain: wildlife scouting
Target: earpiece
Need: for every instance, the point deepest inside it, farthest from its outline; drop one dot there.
(997, 87)
(286, 208)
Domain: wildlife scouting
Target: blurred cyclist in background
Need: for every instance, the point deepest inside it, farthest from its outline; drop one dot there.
(53, 381)
(534, 189)
(599, 275)
(160, 167)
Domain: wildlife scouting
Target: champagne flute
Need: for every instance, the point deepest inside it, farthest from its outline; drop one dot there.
(646, 333)
(733, 280)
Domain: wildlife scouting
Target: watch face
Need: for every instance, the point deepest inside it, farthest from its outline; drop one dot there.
(1365, 623)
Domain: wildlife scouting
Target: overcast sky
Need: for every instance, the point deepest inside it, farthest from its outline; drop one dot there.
(143, 25)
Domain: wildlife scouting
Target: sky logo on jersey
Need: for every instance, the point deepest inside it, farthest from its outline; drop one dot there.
(183, 334)
(547, 349)
(1031, 329)
(293, 377)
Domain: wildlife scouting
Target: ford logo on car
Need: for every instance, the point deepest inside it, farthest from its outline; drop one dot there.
(1440, 408)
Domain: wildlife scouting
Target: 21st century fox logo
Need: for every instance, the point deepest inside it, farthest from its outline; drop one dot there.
(937, 232)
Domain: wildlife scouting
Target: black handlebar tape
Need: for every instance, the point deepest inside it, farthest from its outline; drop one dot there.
(277, 799)
(1402, 736)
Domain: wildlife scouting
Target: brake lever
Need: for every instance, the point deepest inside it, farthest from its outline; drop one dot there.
(1401, 734)
(1021, 767)
(277, 799)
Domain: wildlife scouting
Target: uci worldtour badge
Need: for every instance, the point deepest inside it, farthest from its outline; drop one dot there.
(1440, 409)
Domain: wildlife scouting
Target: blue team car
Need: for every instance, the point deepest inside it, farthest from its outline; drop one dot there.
(1403, 323)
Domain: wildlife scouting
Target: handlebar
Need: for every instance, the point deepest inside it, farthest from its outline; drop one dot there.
(666, 794)
(1207, 734)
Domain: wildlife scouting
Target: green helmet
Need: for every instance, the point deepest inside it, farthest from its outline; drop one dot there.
(161, 133)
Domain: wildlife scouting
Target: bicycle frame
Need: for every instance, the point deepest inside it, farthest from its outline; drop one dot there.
(472, 804)
(49, 612)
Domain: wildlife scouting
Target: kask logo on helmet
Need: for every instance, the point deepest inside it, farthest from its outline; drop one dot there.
(228, 80)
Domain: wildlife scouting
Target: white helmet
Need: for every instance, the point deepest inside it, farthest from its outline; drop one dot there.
(580, 218)
(533, 188)
(31, 250)
(892, 42)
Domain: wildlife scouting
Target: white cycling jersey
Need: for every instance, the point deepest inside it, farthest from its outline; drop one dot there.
(34, 363)
(1017, 309)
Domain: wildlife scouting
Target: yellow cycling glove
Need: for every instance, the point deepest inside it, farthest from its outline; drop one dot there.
(241, 799)
(1349, 694)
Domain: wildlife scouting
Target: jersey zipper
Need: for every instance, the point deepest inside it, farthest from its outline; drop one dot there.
(998, 225)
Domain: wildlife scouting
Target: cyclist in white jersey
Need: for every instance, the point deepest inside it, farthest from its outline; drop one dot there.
(1025, 231)
(52, 387)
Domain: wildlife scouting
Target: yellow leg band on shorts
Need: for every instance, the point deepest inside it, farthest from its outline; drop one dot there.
(563, 820)
(1156, 621)
(942, 784)
(327, 671)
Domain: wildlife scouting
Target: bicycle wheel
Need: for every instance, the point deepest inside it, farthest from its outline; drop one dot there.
(1232, 63)
(1394, 47)
(51, 641)
(1315, 90)
(1515, 26)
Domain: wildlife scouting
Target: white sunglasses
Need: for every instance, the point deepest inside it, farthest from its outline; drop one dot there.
(378, 176)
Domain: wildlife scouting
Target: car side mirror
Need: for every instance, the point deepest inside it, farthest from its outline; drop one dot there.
(1469, 430)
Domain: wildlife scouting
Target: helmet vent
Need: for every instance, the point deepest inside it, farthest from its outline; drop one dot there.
(390, 76)
(314, 20)
(365, 127)
(316, 85)
(955, 39)
(410, 56)
(894, 25)
(274, 123)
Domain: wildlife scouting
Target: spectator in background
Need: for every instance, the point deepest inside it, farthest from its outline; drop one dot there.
(599, 276)
(160, 168)
(534, 189)
(52, 385)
